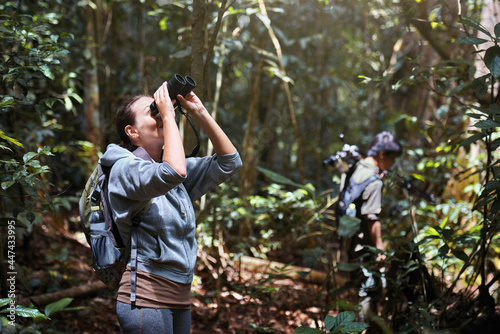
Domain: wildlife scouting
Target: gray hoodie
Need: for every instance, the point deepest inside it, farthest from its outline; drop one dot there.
(167, 235)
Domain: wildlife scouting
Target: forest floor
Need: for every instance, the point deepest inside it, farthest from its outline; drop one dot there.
(240, 301)
(246, 302)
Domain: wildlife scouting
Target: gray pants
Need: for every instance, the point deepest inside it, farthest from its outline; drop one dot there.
(144, 320)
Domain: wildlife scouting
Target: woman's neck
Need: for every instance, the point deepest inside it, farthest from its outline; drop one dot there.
(154, 152)
(372, 161)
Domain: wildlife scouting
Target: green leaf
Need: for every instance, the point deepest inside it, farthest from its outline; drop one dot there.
(7, 184)
(28, 156)
(497, 30)
(495, 144)
(57, 306)
(6, 101)
(30, 313)
(67, 35)
(492, 185)
(355, 327)
(4, 301)
(47, 72)
(45, 150)
(495, 207)
(282, 179)
(492, 60)
(481, 110)
(474, 24)
(330, 322)
(443, 223)
(470, 40)
(460, 254)
(447, 234)
(9, 139)
(480, 86)
(443, 250)
(348, 226)
(348, 266)
(472, 139)
(494, 110)
(307, 330)
(487, 124)
(345, 317)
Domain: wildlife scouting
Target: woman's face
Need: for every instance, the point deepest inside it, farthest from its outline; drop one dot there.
(386, 161)
(148, 129)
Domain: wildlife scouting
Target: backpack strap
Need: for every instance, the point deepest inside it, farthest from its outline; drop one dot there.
(141, 153)
(133, 248)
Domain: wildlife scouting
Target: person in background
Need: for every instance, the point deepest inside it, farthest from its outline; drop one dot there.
(383, 151)
(154, 291)
(381, 156)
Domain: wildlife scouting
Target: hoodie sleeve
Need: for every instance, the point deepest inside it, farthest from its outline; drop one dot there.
(140, 180)
(205, 173)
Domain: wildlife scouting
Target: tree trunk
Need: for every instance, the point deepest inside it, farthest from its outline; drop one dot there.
(74, 292)
(294, 272)
(197, 46)
(198, 26)
(141, 67)
(286, 86)
(108, 55)
(93, 119)
(249, 154)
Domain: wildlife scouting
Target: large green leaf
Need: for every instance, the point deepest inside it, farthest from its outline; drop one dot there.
(330, 322)
(470, 40)
(354, 327)
(9, 139)
(6, 101)
(487, 124)
(284, 180)
(492, 60)
(497, 30)
(348, 226)
(344, 317)
(57, 306)
(27, 312)
(307, 330)
(474, 24)
(4, 301)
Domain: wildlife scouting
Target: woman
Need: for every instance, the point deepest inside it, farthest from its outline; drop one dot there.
(153, 296)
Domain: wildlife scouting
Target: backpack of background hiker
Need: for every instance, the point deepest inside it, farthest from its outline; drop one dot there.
(109, 254)
(351, 193)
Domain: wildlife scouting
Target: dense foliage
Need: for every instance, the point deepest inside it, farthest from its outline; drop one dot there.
(285, 78)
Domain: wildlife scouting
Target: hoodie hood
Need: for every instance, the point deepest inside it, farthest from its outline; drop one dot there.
(115, 152)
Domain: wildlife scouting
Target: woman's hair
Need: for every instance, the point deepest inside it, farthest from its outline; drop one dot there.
(385, 142)
(126, 116)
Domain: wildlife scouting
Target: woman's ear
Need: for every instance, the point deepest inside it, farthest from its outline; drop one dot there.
(131, 132)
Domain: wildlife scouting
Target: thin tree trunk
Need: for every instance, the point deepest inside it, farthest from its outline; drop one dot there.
(74, 292)
(286, 86)
(197, 45)
(141, 68)
(107, 81)
(91, 86)
(294, 272)
(250, 156)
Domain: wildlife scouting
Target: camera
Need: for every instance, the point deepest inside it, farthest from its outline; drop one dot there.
(177, 85)
(344, 159)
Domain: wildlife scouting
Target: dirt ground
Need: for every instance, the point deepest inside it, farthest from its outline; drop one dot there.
(239, 302)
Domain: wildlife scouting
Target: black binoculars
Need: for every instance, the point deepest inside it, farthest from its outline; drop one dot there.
(176, 85)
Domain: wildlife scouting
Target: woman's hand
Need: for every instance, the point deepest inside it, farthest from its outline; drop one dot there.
(194, 107)
(163, 102)
(192, 104)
